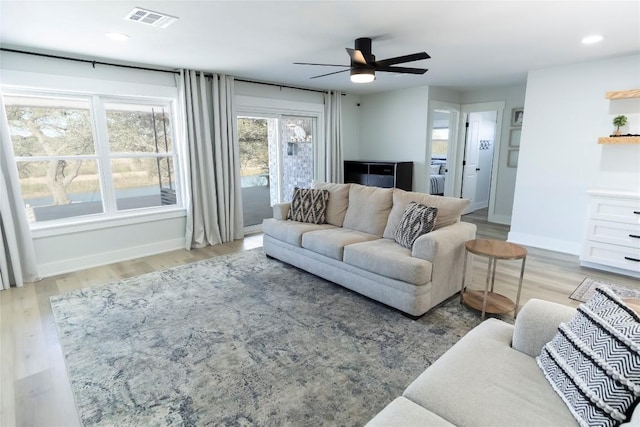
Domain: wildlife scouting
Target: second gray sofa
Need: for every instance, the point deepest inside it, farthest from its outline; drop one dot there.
(488, 378)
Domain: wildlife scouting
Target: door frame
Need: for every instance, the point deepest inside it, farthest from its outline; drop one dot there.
(454, 123)
(460, 146)
(277, 108)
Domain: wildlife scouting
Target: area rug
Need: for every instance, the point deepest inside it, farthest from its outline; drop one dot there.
(586, 289)
(242, 340)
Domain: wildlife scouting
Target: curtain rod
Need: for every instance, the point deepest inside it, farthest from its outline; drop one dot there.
(87, 61)
(135, 67)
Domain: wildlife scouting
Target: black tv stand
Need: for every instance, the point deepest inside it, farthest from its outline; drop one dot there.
(379, 174)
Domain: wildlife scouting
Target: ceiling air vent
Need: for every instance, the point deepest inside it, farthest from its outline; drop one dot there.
(150, 17)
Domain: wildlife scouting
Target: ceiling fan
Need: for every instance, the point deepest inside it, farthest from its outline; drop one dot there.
(363, 65)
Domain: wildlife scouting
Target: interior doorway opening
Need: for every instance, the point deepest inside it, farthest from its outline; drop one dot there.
(477, 165)
(478, 148)
(443, 130)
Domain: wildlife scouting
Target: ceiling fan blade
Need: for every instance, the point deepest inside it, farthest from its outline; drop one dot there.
(356, 56)
(324, 65)
(401, 59)
(328, 74)
(403, 70)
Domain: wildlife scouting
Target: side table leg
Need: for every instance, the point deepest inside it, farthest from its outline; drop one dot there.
(515, 312)
(464, 274)
(493, 273)
(486, 287)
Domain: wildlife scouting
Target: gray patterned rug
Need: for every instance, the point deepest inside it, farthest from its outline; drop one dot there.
(242, 340)
(587, 288)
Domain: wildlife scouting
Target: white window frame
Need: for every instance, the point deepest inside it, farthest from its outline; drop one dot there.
(110, 216)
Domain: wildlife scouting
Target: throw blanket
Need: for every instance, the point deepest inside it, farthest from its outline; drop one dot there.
(437, 185)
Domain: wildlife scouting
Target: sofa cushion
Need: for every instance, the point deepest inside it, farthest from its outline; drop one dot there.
(290, 231)
(369, 209)
(309, 205)
(482, 381)
(402, 412)
(416, 220)
(331, 243)
(593, 362)
(387, 258)
(449, 209)
(338, 201)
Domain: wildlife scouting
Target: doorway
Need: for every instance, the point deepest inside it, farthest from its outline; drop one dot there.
(276, 155)
(479, 147)
(442, 130)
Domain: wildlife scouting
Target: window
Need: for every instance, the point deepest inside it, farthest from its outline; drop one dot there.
(80, 156)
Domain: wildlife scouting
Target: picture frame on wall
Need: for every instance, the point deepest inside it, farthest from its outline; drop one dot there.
(517, 115)
(514, 138)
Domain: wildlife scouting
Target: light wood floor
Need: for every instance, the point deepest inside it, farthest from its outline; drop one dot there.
(34, 388)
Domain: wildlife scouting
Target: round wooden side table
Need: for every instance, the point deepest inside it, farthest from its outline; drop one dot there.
(488, 301)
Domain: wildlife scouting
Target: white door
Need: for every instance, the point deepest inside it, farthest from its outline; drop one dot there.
(470, 167)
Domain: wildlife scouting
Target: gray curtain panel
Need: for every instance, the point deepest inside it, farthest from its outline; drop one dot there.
(333, 137)
(214, 202)
(17, 255)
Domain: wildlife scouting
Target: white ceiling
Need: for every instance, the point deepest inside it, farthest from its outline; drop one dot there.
(472, 43)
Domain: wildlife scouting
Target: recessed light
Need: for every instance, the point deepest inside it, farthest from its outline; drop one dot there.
(117, 36)
(595, 38)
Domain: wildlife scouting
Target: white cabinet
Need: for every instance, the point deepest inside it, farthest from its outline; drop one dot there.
(613, 232)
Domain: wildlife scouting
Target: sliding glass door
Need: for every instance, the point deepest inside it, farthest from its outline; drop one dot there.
(276, 155)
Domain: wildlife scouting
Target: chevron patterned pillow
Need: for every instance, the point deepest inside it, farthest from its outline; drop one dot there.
(309, 205)
(593, 362)
(416, 220)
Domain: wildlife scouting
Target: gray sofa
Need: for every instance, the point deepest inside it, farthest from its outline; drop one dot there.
(356, 247)
(488, 378)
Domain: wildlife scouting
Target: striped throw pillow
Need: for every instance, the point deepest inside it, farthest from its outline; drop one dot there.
(416, 220)
(309, 205)
(593, 362)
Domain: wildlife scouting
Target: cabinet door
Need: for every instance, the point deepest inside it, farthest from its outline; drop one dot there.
(385, 181)
(356, 178)
(625, 210)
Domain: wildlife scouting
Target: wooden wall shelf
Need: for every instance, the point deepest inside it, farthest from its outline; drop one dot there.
(623, 94)
(619, 140)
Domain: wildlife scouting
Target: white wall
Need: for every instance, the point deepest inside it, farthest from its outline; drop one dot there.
(513, 96)
(393, 127)
(560, 159)
(350, 127)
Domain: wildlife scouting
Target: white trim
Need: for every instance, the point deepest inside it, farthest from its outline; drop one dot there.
(79, 225)
(573, 248)
(105, 258)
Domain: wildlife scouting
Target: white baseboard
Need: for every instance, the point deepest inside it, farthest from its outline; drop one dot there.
(500, 219)
(573, 248)
(104, 258)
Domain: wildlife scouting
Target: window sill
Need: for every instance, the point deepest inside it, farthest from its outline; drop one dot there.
(99, 222)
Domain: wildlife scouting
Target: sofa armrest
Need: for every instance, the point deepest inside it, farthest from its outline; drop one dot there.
(281, 210)
(537, 324)
(443, 242)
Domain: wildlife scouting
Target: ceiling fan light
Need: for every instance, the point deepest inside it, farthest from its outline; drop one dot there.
(363, 75)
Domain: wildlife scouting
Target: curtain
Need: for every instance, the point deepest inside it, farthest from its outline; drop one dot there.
(17, 255)
(214, 199)
(333, 136)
